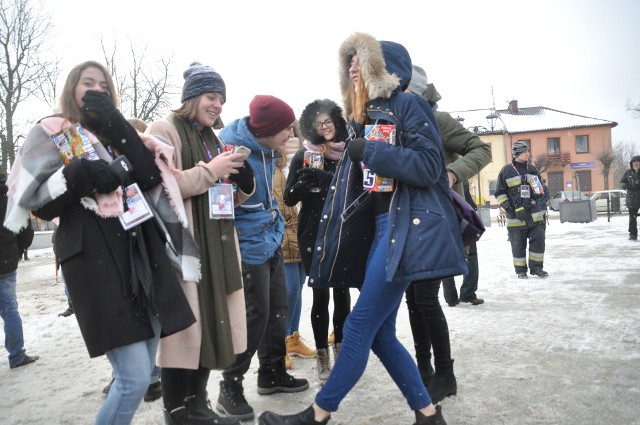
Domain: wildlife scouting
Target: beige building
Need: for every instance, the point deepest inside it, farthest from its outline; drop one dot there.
(566, 144)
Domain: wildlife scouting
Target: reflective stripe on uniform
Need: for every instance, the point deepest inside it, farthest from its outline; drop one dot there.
(536, 256)
(519, 262)
(513, 181)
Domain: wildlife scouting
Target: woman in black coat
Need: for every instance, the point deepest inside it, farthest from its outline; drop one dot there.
(325, 131)
(124, 289)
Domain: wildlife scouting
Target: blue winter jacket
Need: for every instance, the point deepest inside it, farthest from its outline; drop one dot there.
(259, 224)
(424, 235)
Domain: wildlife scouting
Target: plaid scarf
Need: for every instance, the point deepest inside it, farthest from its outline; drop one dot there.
(36, 179)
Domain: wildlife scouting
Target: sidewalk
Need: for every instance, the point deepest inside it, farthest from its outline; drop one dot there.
(560, 350)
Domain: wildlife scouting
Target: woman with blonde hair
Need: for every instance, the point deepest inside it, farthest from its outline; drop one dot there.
(386, 261)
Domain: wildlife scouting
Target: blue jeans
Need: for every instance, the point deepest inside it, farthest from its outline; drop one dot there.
(295, 277)
(13, 337)
(372, 325)
(132, 368)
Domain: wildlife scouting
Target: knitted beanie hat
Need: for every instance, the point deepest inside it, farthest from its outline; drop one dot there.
(199, 79)
(269, 115)
(419, 82)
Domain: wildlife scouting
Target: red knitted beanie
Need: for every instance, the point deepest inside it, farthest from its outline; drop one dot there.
(269, 115)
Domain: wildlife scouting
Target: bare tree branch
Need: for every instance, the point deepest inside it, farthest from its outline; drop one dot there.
(24, 33)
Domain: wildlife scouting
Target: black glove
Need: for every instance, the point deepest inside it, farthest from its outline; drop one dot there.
(521, 214)
(244, 179)
(355, 149)
(97, 105)
(103, 178)
(314, 177)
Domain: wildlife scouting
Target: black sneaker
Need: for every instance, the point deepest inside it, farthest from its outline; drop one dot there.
(539, 273)
(523, 275)
(25, 361)
(474, 301)
(453, 304)
(154, 392)
(199, 412)
(633, 237)
(231, 400)
(280, 381)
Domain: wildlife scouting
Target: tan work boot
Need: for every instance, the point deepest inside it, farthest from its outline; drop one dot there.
(323, 364)
(288, 364)
(296, 347)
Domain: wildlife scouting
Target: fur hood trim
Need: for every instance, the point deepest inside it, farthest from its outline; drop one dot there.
(308, 118)
(377, 80)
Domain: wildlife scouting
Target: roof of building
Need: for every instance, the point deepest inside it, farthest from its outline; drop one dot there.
(526, 120)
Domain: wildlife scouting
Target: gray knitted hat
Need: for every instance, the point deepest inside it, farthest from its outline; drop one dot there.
(199, 79)
(419, 82)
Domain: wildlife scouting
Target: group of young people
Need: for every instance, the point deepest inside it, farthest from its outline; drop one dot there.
(193, 276)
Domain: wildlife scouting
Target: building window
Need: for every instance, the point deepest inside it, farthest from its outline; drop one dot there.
(582, 144)
(493, 185)
(553, 146)
(583, 180)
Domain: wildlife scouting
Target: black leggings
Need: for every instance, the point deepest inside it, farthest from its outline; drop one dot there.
(178, 384)
(428, 324)
(320, 314)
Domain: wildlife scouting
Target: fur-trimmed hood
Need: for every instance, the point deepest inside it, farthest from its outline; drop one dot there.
(385, 66)
(308, 118)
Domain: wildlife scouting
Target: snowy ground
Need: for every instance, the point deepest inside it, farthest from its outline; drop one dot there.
(560, 350)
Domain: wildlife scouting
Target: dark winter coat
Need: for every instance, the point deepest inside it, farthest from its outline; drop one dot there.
(508, 196)
(630, 181)
(95, 256)
(424, 237)
(311, 208)
(11, 245)
(312, 202)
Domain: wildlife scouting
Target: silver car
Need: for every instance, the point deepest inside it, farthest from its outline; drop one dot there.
(566, 196)
(614, 196)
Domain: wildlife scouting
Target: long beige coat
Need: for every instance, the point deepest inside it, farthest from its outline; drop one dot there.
(182, 350)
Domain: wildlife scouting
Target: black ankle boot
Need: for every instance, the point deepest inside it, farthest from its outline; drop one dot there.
(425, 369)
(441, 386)
(177, 416)
(231, 400)
(436, 419)
(199, 412)
(306, 417)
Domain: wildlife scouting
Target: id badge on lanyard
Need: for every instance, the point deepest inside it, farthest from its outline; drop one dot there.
(525, 191)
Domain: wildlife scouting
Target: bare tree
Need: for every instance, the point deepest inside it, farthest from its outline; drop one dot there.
(606, 157)
(634, 108)
(623, 152)
(542, 162)
(144, 87)
(24, 32)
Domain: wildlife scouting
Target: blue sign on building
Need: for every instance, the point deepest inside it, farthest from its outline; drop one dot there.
(583, 165)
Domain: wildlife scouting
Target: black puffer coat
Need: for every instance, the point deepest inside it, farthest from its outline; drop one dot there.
(631, 183)
(312, 202)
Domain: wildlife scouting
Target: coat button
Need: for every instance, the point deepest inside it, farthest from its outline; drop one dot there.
(416, 221)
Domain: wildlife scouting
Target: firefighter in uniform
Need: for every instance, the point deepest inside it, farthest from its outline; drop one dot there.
(519, 188)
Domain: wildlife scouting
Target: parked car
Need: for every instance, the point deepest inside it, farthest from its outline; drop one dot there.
(566, 196)
(615, 196)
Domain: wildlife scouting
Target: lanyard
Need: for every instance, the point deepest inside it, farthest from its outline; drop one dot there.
(523, 179)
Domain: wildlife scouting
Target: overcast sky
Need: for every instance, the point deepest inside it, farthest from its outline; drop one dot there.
(575, 56)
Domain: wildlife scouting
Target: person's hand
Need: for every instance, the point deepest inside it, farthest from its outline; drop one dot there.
(96, 106)
(225, 164)
(452, 178)
(102, 177)
(243, 177)
(314, 177)
(521, 214)
(355, 149)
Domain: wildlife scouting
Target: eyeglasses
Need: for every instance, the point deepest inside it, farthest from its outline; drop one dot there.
(327, 123)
